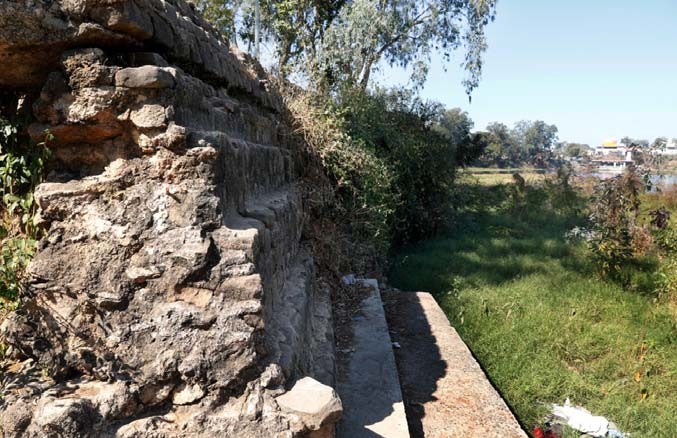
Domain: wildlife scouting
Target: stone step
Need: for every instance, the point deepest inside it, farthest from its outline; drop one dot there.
(368, 383)
(222, 114)
(250, 169)
(268, 229)
(446, 393)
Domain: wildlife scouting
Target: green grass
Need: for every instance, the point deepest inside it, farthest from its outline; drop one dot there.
(543, 325)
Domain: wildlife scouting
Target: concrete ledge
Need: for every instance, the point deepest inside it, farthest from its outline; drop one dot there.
(370, 389)
(446, 393)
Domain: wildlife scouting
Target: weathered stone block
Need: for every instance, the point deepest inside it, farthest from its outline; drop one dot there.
(317, 404)
(147, 76)
(149, 116)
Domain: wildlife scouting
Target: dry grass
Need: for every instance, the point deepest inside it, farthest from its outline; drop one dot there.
(491, 177)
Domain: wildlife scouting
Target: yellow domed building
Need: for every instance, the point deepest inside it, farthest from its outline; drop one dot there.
(610, 146)
(612, 156)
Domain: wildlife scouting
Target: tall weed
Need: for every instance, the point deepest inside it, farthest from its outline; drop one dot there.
(21, 167)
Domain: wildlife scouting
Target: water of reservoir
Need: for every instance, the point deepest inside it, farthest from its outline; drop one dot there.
(660, 181)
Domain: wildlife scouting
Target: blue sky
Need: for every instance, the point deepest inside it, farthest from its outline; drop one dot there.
(595, 68)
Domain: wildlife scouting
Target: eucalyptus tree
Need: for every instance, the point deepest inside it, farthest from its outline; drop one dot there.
(338, 43)
(221, 14)
(367, 34)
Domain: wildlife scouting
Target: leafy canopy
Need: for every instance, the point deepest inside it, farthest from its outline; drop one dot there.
(337, 43)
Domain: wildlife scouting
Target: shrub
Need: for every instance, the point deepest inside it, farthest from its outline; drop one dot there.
(401, 130)
(364, 182)
(616, 237)
(564, 198)
(21, 168)
(394, 172)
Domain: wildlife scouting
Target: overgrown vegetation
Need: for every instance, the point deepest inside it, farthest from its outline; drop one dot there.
(393, 165)
(524, 288)
(616, 236)
(21, 168)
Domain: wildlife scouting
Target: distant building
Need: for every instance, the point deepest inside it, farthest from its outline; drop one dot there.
(610, 147)
(612, 156)
(670, 148)
(619, 153)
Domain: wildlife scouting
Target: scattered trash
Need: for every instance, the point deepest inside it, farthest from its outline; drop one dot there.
(615, 433)
(540, 432)
(582, 420)
(350, 279)
(396, 345)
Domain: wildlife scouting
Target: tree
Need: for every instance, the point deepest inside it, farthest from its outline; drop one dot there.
(404, 33)
(629, 141)
(221, 13)
(659, 143)
(535, 136)
(502, 146)
(455, 124)
(471, 148)
(297, 28)
(641, 143)
(536, 140)
(575, 150)
(337, 43)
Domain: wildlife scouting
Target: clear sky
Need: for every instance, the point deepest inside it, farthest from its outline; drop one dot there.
(595, 68)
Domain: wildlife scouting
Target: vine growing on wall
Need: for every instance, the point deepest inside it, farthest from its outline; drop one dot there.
(21, 168)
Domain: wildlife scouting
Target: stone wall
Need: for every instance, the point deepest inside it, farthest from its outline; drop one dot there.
(172, 294)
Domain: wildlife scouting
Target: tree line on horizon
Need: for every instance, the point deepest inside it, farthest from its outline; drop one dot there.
(532, 142)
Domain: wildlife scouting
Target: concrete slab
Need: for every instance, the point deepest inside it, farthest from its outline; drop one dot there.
(370, 388)
(445, 391)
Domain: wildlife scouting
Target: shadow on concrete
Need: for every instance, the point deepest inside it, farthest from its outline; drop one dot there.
(419, 362)
(445, 391)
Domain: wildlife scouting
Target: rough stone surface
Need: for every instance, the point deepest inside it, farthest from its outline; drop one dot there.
(34, 33)
(147, 76)
(446, 392)
(171, 294)
(316, 404)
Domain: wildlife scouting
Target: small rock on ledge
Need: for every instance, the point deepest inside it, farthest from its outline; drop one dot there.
(317, 405)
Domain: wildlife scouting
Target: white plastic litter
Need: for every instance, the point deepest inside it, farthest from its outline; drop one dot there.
(351, 279)
(582, 420)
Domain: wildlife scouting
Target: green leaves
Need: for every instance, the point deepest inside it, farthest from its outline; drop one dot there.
(613, 215)
(15, 254)
(336, 43)
(21, 168)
